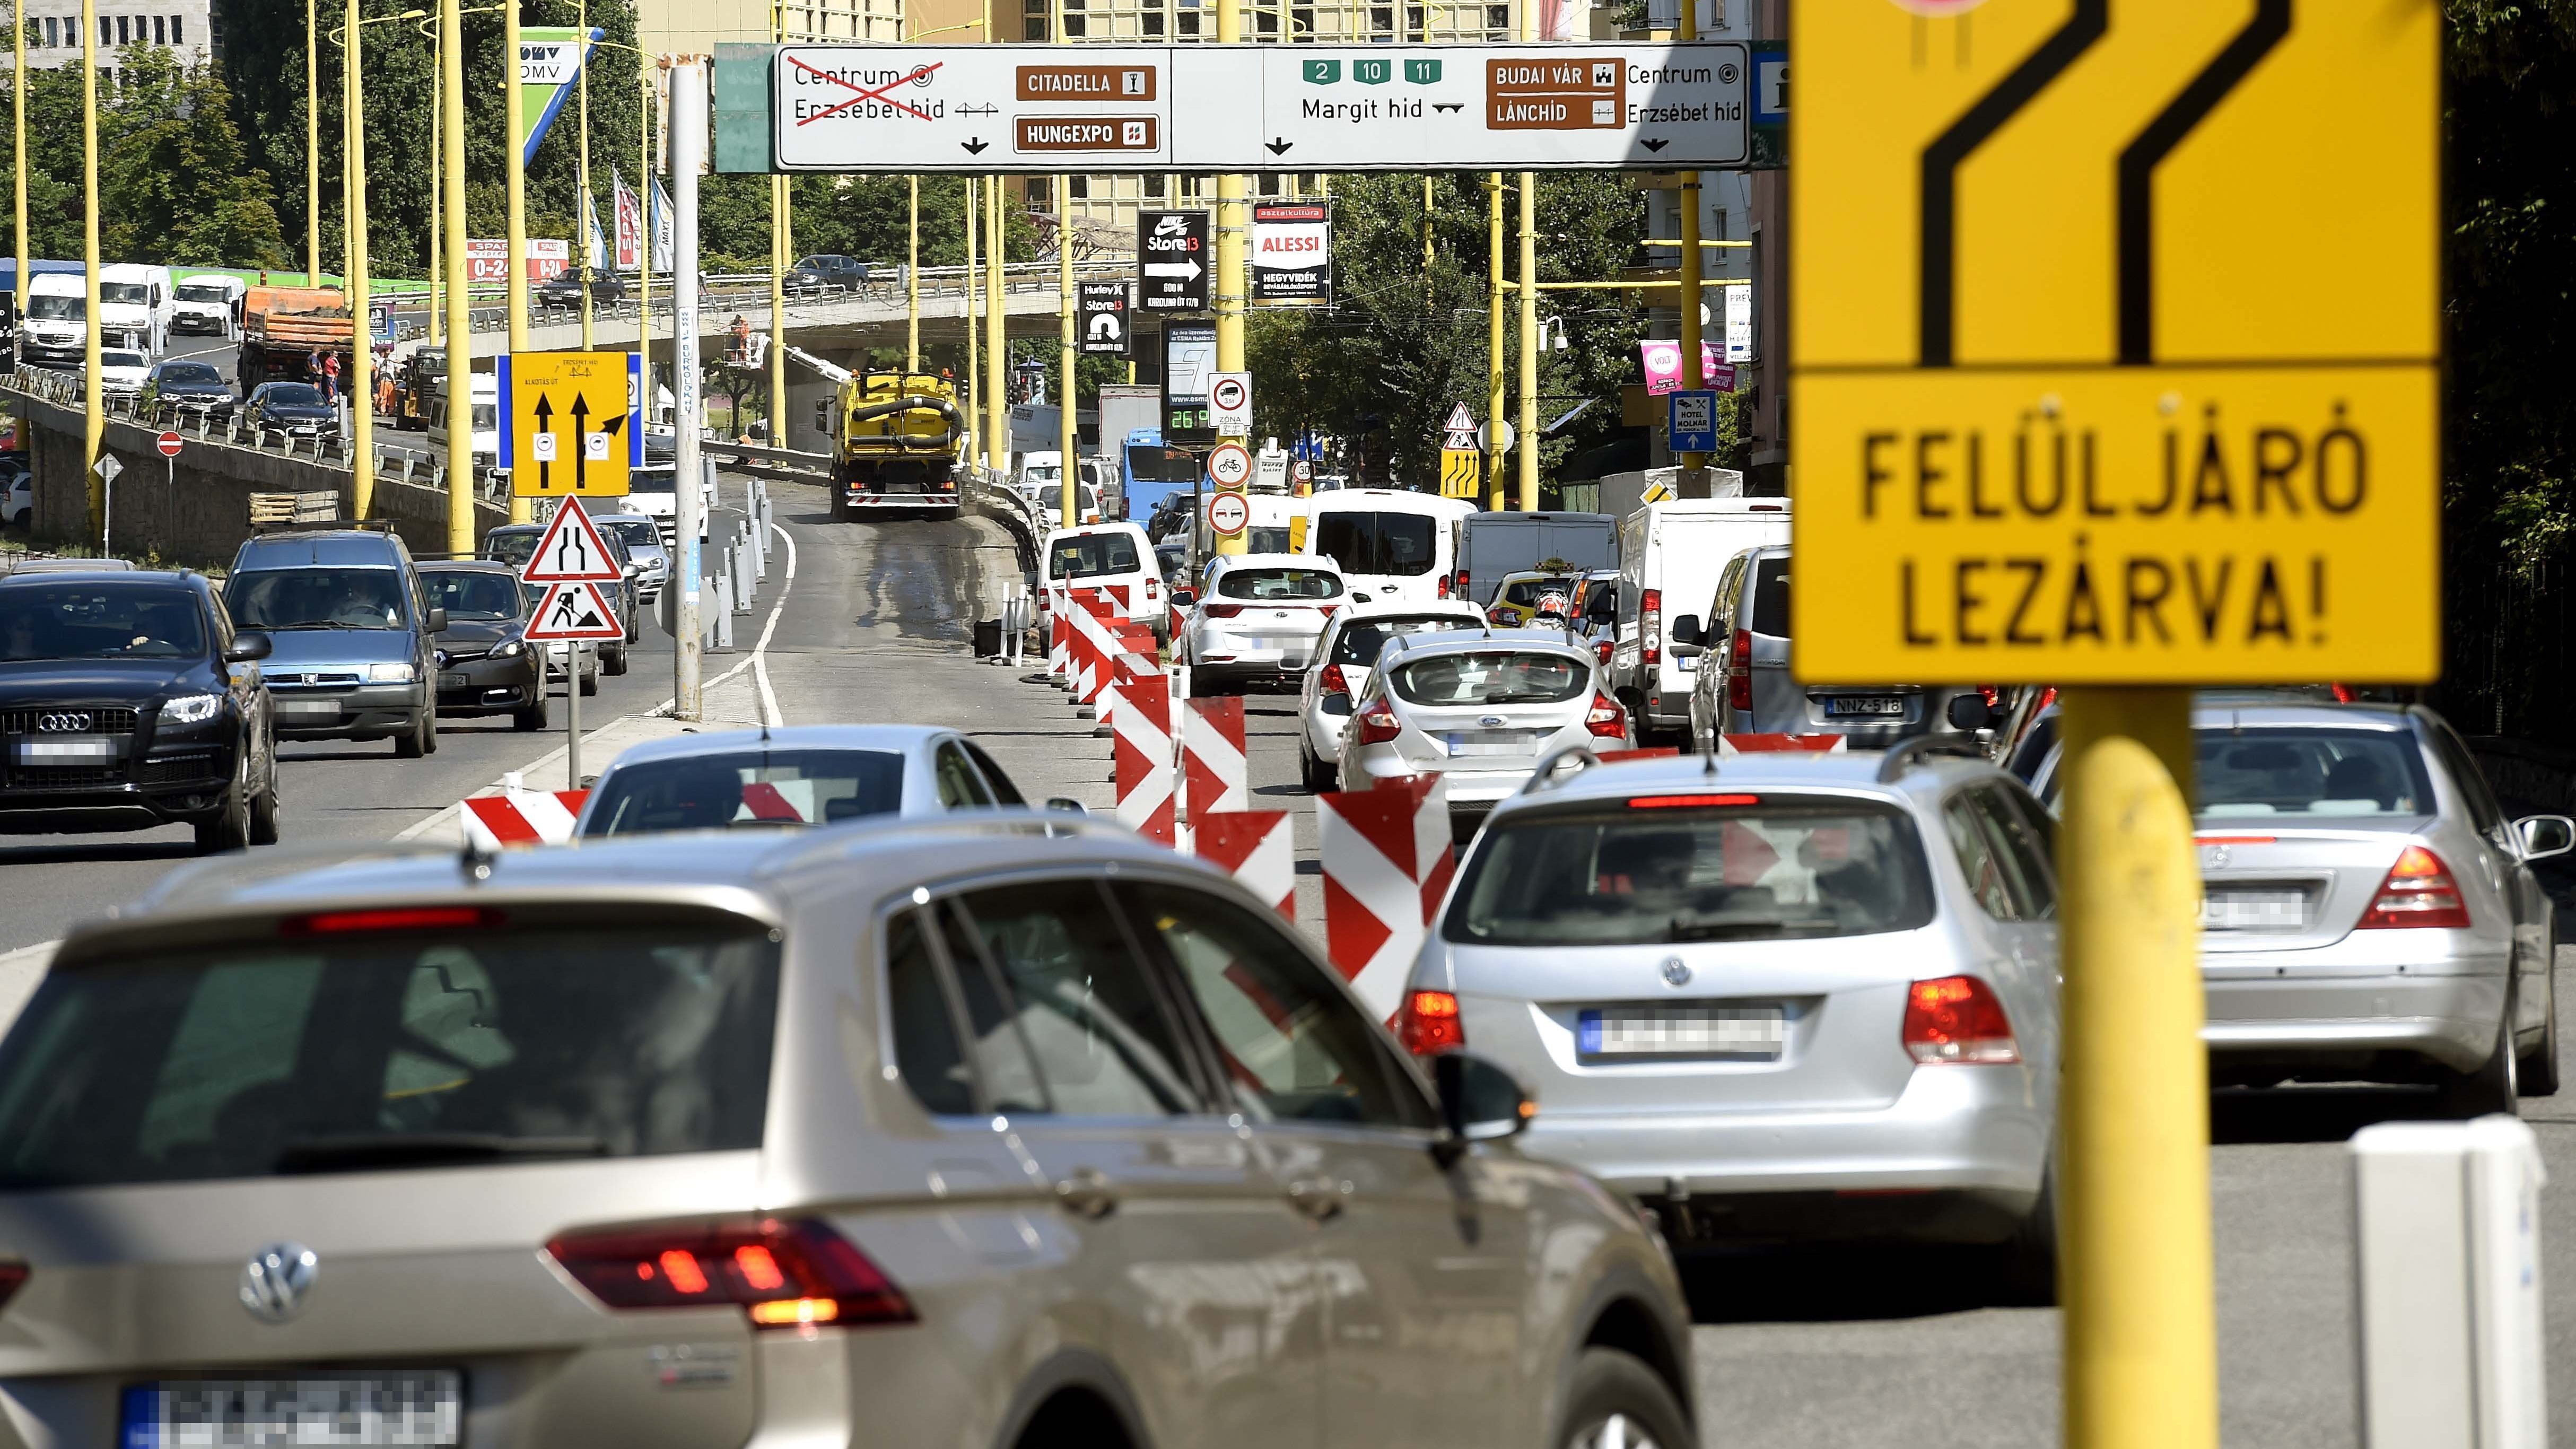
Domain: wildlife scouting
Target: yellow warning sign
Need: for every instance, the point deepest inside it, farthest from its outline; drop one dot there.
(2117, 342)
(568, 423)
(1460, 468)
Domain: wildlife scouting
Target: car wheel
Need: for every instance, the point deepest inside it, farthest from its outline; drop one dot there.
(263, 810)
(613, 661)
(413, 743)
(2495, 1086)
(531, 718)
(1616, 1402)
(2030, 1254)
(2537, 1072)
(1318, 777)
(230, 829)
(589, 682)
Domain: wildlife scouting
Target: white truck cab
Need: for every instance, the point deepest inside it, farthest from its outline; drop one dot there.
(56, 327)
(209, 304)
(135, 305)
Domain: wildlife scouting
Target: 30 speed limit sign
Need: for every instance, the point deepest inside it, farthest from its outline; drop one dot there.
(1229, 465)
(1228, 513)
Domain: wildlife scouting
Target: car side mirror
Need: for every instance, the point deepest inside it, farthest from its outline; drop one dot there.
(1686, 630)
(1479, 1102)
(1969, 713)
(1689, 651)
(248, 648)
(1067, 804)
(1184, 595)
(632, 570)
(435, 621)
(2543, 836)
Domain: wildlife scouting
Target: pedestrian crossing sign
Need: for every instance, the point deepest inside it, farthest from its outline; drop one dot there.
(574, 613)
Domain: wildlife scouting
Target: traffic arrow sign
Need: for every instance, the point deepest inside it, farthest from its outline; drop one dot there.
(1184, 270)
(571, 550)
(548, 420)
(574, 612)
(108, 467)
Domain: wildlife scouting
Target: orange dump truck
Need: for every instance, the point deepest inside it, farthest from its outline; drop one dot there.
(284, 327)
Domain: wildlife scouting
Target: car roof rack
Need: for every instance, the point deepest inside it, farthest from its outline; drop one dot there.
(1906, 754)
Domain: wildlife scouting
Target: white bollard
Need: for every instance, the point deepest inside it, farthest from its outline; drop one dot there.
(2447, 1251)
(742, 579)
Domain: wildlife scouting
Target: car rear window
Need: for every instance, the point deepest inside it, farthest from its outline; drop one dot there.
(1669, 869)
(514, 549)
(1527, 592)
(1771, 597)
(1360, 643)
(1281, 583)
(341, 1048)
(2260, 773)
(1085, 555)
(1364, 542)
(1499, 676)
(754, 787)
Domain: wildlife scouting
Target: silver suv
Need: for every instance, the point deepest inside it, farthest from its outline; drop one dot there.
(1792, 995)
(1012, 1131)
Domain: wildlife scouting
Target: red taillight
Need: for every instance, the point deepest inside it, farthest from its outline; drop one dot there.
(1686, 802)
(784, 1273)
(1333, 681)
(1606, 720)
(1149, 590)
(1460, 589)
(1650, 626)
(1957, 1020)
(1221, 611)
(2047, 697)
(1428, 1023)
(2342, 693)
(1378, 724)
(1739, 671)
(2419, 891)
(1444, 590)
(399, 918)
(1993, 695)
(1601, 650)
(13, 1276)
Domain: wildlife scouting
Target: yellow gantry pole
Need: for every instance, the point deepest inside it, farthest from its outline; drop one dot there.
(460, 321)
(1494, 287)
(589, 208)
(437, 151)
(18, 117)
(912, 282)
(517, 174)
(644, 229)
(779, 246)
(362, 350)
(1693, 378)
(973, 380)
(1228, 286)
(2134, 1257)
(1064, 432)
(312, 145)
(997, 347)
(93, 405)
(1528, 440)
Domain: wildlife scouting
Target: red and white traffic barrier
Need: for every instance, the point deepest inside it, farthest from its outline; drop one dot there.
(1141, 749)
(520, 817)
(1098, 650)
(1217, 776)
(1386, 861)
(1757, 744)
(1256, 847)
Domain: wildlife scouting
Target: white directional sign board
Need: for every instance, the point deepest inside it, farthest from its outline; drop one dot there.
(1010, 108)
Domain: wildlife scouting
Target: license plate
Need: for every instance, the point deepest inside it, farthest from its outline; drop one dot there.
(454, 680)
(1754, 1032)
(1865, 704)
(308, 706)
(1497, 742)
(2253, 910)
(38, 752)
(423, 1408)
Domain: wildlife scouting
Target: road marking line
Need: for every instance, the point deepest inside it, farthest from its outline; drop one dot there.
(769, 712)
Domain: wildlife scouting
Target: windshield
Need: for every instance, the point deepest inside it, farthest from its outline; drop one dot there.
(134, 293)
(1498, 677)
(1282, 583)
(511, 546)
(203, 292)
(753, 788)
(487, 417)
(1153, 463)
(1045, 473)
(652, 480)
(1771, 597)
(293, 394)
(316, 598)
(100, 621)
(119, 357)
(2266, 773)
(472, 593)
(1086, 554)
(57, 307)
(635, 533)
(1769, 869)
(1360, 643)
(1376, 543)
(328, 1052)
(190, 372)
(1258, 539)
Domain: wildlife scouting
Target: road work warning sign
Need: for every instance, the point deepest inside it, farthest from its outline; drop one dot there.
(2117, 342)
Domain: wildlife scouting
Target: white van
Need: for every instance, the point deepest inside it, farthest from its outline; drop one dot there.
(1391, 545)
(210, 305)
(483, 428)
(1110, 556)
(135, 305)
(1670, 556)
(56, 327)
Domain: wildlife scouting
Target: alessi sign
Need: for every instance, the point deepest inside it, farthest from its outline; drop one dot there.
(1292, 252)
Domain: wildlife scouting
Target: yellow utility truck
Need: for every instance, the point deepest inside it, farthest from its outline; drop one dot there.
(898, 444)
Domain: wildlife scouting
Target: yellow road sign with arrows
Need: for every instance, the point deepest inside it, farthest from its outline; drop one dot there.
(569, 422)
(1460, 468)
(2117, 340)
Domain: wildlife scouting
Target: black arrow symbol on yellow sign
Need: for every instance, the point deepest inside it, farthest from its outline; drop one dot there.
(545, 411)
(580, 444)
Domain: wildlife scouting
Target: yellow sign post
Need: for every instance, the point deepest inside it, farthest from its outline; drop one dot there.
(2115, 343)
(569, 424)
(1460, 471)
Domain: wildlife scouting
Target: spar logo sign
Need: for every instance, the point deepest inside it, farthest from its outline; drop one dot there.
(1292, 253)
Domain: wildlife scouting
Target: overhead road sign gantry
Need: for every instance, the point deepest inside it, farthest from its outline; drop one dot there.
(2117, 342)
(569, 422)
(1008, 108)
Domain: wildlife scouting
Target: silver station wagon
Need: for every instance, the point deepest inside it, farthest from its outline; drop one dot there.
(1780, 996)
(988, 1132)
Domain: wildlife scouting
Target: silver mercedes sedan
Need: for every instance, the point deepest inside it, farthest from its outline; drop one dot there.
(1003, 1129)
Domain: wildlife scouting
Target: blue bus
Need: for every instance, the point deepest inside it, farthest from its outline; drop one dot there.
(1150, 472)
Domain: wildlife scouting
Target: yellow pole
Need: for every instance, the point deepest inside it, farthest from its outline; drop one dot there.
(460, 323)
(778, 249)
(1228, 286)
(517, 176)
(437, 233)
(1064, 432)
(1693, 481)
(1528, 441)
(1494, 288)
(997, 347)
(362, 351)
(644, 220)
(94, 406)
(912, 281)
(972, 383)
(18, 117)
(312, 145)
(582, 221)
(2134, 1259)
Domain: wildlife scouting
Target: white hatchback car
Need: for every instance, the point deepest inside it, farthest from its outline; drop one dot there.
(1340, 674)
(1482, 709)
(1259, 616)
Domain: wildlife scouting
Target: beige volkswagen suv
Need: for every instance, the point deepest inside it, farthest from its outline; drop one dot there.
(993, 1132)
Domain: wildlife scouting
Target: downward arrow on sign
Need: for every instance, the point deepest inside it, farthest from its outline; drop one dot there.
(974, 145)
(1278, 145)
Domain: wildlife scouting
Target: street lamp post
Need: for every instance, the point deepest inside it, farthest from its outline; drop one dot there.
(93, 405)
(460, 322)
(518, 196)
(362, 351)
